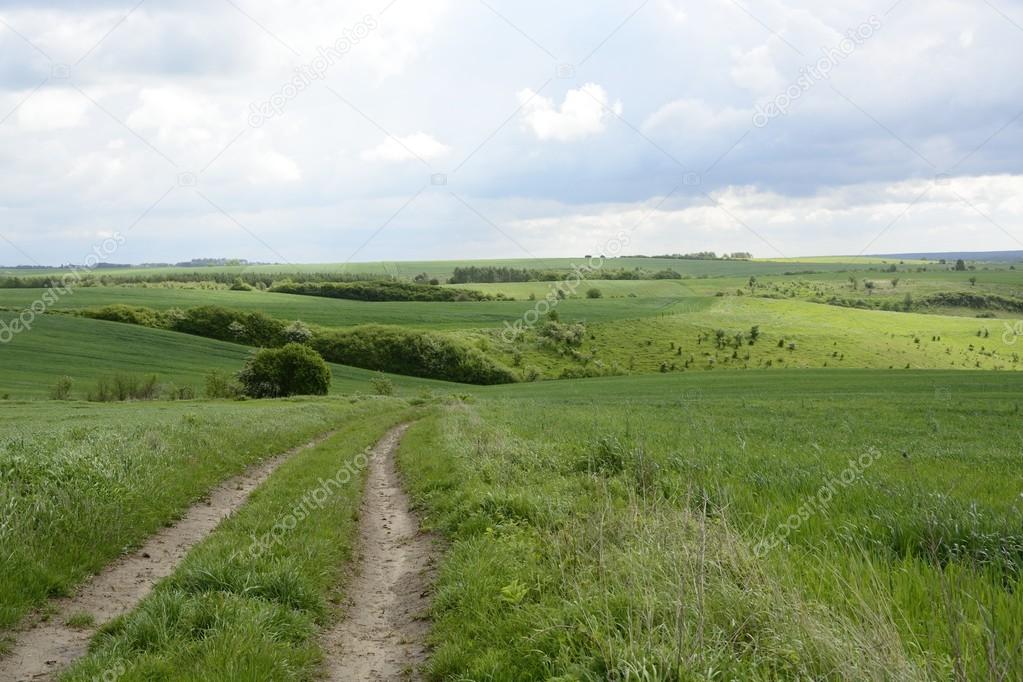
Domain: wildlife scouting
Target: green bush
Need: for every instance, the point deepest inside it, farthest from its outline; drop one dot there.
(215, 322)
(380, 291)
(122, 387)
(594, 293)
(222, 385)
(382, 385)
(62, 389)
(279, 372)
(410, 352)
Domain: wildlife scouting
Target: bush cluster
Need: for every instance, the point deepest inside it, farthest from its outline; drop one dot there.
(380, 291)
(410, 352)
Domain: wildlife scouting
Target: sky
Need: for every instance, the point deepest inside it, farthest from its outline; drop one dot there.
(321, 131)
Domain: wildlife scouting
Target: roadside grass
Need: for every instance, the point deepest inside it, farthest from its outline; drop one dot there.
(86, 350)
(617, 534)
(81, 483)
(233, 613)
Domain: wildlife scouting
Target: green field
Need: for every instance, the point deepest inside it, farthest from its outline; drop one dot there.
(86, 350)
(663, 519)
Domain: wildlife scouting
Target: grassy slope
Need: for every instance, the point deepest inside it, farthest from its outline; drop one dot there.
(81, 482)
(335, 312)
(824, 336)
(230, 613)
(85, 349)
(581, 547)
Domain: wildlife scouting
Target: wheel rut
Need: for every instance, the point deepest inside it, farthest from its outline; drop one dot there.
(383, 633)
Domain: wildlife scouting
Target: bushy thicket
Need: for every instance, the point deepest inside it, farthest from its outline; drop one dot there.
(410, 352)
(388, 349)
(280, 372)
(490, 274)
(953, 299)
(215, 322)
(380, 291)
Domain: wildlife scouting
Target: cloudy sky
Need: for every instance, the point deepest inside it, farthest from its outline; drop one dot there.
(322, 131)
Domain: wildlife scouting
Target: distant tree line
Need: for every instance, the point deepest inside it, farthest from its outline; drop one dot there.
(491, 275)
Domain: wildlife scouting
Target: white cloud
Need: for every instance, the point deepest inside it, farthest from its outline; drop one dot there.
(414, 146)
(52, 110)
(755, 70)
(695, 115)
(583, 113)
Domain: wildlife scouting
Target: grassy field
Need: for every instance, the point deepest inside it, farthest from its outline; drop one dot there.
(636, 528)
(82, 482)
(86, 350)
(669, 522)
(336, 312)
(443, 269)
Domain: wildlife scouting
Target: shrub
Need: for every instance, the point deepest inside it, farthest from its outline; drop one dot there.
(222, 385)
(380, 291)
(122, 387)
(382, 385)
(416, 353)
(62, 389)
(215, 322)
(279, 372)
(297, 332)
(594, 293)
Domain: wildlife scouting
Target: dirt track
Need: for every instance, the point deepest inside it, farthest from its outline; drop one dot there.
(42, 651)
(383, 634)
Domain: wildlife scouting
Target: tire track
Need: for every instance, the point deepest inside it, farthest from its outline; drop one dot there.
(42, 651)
(383, 634)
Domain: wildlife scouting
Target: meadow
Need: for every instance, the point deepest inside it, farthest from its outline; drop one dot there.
(673, 528)
(710, 477)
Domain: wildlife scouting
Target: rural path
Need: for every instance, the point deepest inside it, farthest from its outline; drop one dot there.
(41, 652)
(383, 634)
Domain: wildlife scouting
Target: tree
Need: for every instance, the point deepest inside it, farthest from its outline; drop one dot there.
(279, 372)
(297, 332)
(973, 281)
(960, 265)
(754, 334)
(594, 293)
(895, 282)
(869, 286)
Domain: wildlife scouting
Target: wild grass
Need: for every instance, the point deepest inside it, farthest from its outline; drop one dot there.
(231, 613)
(80, 483)
(616, 534)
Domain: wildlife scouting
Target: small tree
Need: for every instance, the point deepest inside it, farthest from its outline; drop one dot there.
(594, 293)
(279, 372)
(754, 334)
(62, 389)
(960, 265)
(382, 385)
(297, 332)
(973, 281)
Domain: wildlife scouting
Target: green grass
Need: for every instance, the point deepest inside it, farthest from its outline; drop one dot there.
(336, 312)
(823, 336)
(443, 269)
(81, 482)
(233, 613)
(609, 528)
(86, 349)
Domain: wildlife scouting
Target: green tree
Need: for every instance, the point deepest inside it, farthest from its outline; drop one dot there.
(279, 372)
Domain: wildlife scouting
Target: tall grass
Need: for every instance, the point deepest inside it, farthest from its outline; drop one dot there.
(80, 483)
(596, 541)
